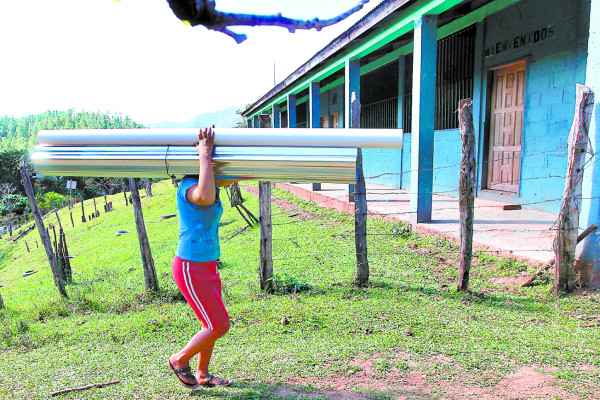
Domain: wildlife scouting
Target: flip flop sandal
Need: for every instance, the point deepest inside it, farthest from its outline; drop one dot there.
(221, 382)
(185, 372)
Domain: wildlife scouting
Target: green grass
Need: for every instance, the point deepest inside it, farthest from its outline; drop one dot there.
(409, 320)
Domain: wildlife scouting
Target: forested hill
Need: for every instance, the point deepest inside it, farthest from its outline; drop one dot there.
(21, 133)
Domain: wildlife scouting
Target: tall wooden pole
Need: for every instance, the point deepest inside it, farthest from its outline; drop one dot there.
(466, 188)
(64, 253)
(266, 236)
(57, 218)
(358, 192)
(360, 225)
(147, 260)
(125, 193)
(39, 222)
(266, 227)
(565, 240)
(148, 187)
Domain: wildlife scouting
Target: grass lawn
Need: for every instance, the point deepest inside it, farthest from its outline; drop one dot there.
(409, 335)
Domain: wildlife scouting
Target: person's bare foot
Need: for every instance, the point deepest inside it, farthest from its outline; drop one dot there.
(212, 381)
(183, 372)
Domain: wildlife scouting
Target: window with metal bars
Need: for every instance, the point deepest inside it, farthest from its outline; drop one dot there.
(379, 98)
(454, 78)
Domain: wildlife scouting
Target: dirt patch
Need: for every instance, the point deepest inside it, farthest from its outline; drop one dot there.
(288, 391)
(527, 382)
(515, 281)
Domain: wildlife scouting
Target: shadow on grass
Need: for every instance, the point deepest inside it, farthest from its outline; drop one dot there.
(392, 290)
(243, 390)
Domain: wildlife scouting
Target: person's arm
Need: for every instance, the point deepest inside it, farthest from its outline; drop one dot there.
(203, 194)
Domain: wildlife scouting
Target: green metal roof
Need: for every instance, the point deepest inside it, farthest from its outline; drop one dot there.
(387, 22)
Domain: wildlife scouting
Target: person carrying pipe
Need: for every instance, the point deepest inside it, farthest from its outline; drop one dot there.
(195, 266)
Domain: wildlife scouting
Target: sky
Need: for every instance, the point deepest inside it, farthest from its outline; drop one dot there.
(135, 58)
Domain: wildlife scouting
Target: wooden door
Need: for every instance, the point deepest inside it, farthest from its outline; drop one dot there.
(324, 121)
(335, 120)
(506, 128)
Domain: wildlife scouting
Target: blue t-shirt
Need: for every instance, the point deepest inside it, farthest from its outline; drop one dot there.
(198, 226)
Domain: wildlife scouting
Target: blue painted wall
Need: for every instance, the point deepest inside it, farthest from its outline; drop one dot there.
(555, 33)
(394, 165)
(554, 66)
(383, 166)
(590, 248)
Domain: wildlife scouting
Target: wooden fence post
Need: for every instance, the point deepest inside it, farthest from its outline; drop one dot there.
(360, 225)
(96, 213)
(148, 187)
(82, 211)
(266, 236)
(26, 245)
(266, 227)
(565, 240)
(466, 188)
(147, 260)
(63, 253)
(1, 302)
(56, 273)
(125, 193)
(57, 218)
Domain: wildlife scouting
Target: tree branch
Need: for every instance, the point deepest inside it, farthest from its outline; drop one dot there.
(204, 12)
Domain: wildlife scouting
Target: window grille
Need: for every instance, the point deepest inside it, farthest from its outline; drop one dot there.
(454, 76)
(454, 79)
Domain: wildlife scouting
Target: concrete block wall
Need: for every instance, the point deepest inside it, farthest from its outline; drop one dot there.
(554, 65)
(589, 258)
(446, 160)
(383, 166)
(406, 142)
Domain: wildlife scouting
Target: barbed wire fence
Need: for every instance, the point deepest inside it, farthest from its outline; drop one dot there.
(287, 233)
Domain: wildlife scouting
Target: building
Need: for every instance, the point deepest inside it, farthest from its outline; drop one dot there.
(409, 62)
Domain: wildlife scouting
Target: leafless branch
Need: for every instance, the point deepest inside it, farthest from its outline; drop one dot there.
(6, 190)
(204, 12)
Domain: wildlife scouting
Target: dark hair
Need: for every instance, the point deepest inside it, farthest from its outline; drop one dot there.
(190, 177)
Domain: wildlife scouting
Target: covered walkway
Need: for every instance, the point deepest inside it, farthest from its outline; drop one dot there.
(520, 233)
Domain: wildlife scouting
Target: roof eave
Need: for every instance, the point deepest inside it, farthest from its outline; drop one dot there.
(375, 16)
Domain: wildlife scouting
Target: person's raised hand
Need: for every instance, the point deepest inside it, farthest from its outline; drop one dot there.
(206, 140)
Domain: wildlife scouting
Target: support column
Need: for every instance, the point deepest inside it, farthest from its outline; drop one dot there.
(400, 115)
(291, 110)
(314, 112)
(256, 123)
(250, 123)
(276, 116)
(423, 117)
(352, 102)
(479, 107)
(588, 262)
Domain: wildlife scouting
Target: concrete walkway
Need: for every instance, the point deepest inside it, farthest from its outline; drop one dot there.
(520, 233)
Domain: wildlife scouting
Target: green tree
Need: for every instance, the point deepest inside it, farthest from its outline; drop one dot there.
(52, 200)
(18, 136)
(9, 168)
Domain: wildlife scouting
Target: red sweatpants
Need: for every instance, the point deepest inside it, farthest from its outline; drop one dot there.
(200, 284)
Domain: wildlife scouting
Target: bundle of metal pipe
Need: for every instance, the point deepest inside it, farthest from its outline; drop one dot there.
(307, 155)
(337, 165)
(284, 137)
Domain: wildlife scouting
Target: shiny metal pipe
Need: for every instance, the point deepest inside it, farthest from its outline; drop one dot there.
(287, 137)
(333, 165)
